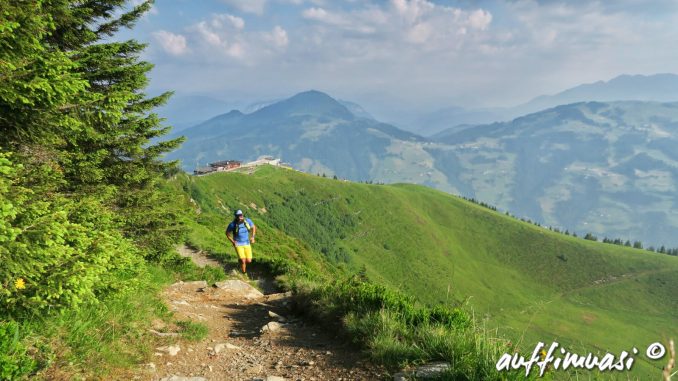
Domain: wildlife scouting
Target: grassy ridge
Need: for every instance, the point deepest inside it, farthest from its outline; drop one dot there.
(535, 284)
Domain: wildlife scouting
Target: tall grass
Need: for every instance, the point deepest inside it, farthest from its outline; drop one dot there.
(14, 359)
(98, 340)
(396, 332)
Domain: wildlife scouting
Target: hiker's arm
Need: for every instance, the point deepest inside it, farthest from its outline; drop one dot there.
(254, 232)
(229, 237)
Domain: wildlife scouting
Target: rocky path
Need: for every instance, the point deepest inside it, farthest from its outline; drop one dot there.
(200, 258)
(251, 336)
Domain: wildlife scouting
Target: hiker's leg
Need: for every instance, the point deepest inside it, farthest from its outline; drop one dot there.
(242, 256)
(248, 254)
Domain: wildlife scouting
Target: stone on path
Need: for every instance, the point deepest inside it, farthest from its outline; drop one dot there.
(271, 327)
(220, 347)
(426, 371)
(238, 286)
(280, 319)
(432, 370)
(172, 350)
(194, 284)
(278, 296)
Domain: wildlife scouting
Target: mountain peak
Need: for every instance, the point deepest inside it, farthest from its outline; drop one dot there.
(661, 87)
(313, 94)
(312, 102)
(657, 76)
(235, 113)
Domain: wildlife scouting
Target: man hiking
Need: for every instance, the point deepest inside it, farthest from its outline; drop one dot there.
(240, 229)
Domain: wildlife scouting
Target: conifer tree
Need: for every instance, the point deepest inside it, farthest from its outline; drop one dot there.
(119, 151)
(79, 154)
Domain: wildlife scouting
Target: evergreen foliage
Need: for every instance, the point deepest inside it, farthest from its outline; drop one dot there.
(79, 173)
(80, 169)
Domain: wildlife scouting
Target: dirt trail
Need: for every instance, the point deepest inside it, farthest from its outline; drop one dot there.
(238, 347)
(200, 258)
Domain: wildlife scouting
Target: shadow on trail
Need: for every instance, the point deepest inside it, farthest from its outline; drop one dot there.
(298, 347)
(298, 338)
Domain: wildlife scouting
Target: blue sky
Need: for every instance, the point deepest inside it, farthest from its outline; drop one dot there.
(422, 54)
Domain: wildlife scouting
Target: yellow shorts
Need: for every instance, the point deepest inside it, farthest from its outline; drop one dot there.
(244, 252)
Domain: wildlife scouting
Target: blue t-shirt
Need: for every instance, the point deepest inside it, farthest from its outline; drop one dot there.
(243, 236)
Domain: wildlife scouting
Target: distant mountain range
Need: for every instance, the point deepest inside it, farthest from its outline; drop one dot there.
(316, 134)
(183, 111)
(609, 168)
(655, 88)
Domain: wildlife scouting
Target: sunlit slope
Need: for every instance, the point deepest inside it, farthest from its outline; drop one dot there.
(530, 282)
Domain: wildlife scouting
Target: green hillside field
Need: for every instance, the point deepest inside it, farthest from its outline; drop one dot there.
(530, 283)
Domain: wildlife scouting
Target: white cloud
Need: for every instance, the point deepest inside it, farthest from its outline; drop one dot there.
(480, 19)
(247, 6)
(174, 44)
(423, 51)
(420, 33)
(236, 50)
(320, 14)
(419, 22)
(414, 9)
(235, 21)
(315, 14)
(207, 34)
(223, 37)
(278, 37)
(223, 32)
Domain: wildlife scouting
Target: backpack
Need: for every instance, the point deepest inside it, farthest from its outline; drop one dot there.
(237, 227)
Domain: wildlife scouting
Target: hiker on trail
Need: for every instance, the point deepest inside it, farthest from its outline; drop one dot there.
(240, 229)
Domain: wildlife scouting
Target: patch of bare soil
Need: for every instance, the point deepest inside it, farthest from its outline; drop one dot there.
(200, 258)
(251, 336)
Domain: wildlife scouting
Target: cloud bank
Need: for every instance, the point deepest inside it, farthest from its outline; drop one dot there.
(421, 53)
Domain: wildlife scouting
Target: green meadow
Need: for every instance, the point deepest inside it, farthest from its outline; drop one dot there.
(528, 282)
